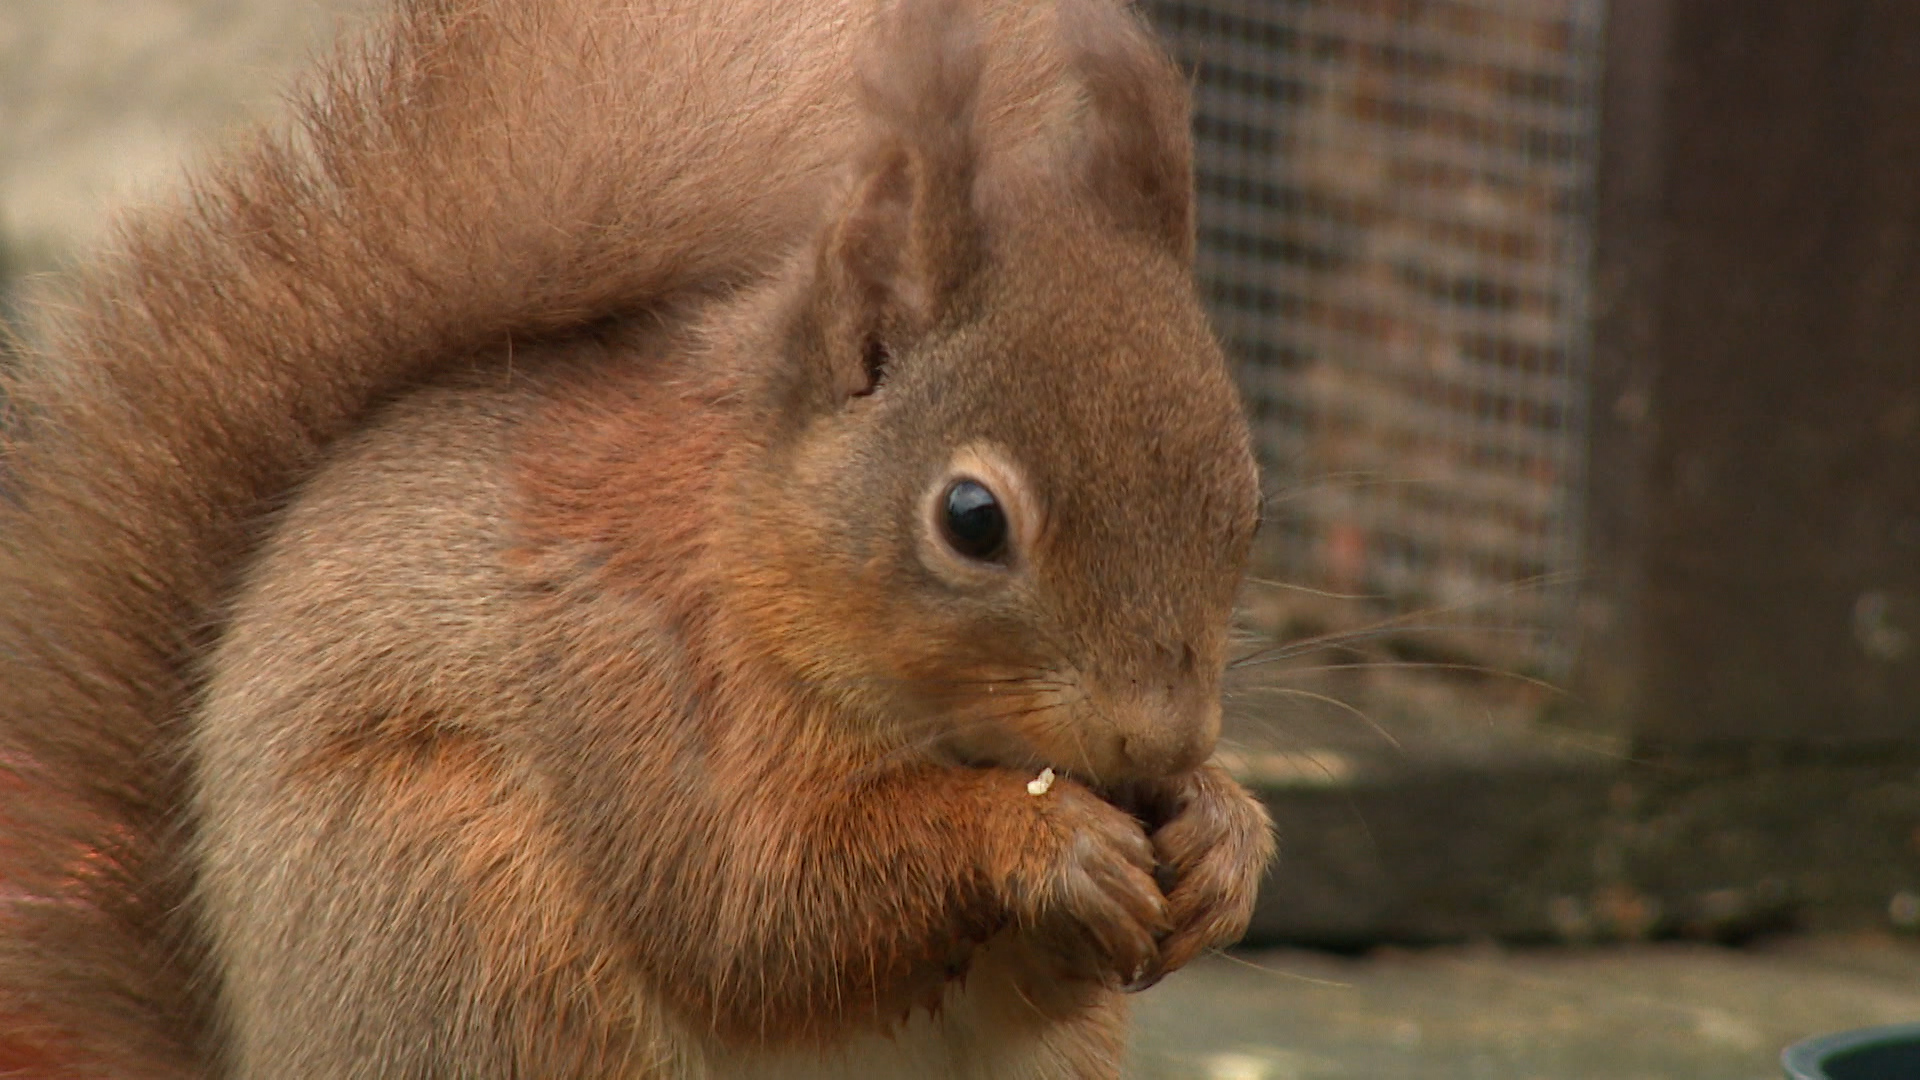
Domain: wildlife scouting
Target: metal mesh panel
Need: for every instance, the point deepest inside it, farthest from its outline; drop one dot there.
(1394, 213)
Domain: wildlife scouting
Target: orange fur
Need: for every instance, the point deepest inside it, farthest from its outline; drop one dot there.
(471, 598)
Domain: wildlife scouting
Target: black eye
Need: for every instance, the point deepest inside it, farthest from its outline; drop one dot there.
(972, 522)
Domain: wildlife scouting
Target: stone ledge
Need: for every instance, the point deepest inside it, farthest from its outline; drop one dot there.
(1711, 848)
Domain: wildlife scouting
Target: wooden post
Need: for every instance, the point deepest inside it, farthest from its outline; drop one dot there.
(1756, 431)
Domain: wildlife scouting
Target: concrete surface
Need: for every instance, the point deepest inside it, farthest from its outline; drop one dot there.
(1684, 1012)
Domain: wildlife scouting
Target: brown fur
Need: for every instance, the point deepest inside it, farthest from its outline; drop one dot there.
(470, 604)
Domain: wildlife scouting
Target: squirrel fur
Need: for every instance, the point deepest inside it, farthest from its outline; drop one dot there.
(478, 590)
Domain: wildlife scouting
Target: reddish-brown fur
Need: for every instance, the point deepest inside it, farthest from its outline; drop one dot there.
(469, 602)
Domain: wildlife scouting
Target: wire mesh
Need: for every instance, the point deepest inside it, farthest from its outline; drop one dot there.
(1395, 216)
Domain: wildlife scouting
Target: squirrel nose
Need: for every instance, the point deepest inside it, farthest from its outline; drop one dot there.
(1171, 732)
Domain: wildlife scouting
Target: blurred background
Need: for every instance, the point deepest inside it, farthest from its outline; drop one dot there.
(1582, 343)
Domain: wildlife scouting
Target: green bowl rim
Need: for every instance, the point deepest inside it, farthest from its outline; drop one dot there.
(1804, 1059)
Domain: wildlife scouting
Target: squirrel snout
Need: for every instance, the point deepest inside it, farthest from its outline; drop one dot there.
(1163, 732)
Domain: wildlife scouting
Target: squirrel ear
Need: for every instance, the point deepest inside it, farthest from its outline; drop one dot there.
(908, 238)
(1136, 154)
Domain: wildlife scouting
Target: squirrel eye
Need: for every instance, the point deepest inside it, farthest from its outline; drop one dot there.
(972, 522)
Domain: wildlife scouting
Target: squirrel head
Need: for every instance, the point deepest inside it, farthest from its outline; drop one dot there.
(1003, 491)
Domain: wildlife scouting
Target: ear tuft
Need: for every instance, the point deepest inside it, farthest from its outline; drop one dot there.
(1136, 154)
(908, 237)
(922, 79)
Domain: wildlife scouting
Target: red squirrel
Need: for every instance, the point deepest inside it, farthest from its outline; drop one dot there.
(641, 538)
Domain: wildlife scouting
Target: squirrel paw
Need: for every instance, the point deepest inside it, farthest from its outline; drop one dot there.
(1211, 846)
(1093, 906)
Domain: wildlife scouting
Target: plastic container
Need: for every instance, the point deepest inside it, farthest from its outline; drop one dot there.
(1876, 1053)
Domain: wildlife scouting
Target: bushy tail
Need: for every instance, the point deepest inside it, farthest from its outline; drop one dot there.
(478, 171)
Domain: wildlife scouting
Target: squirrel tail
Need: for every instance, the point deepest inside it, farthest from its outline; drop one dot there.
(476, 172)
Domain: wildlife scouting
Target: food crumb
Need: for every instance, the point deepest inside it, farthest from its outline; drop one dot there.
(1039, 784)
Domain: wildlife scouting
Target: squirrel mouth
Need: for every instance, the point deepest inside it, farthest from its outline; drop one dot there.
(1150, 799)
(1152, 803)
